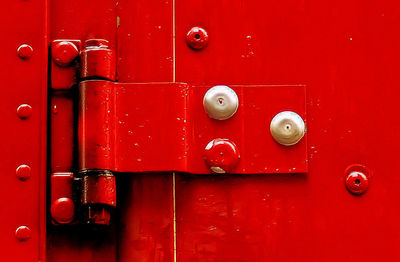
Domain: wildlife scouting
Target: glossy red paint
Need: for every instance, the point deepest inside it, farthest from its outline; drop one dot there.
(62, 208)
(62, 132)
(23, 233)
(99, 189)
(64, 52)
(23, 132)
(130, 139)
(97, 60)
(64, 66)
(345, 52)
(221, 155)
(357, 183)
(197, 38)
(24, 111)
(23, 172)
(25, 51)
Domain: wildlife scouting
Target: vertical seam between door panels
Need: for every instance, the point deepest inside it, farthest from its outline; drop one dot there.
(173, 80)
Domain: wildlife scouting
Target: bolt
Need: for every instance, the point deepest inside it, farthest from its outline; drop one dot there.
(25, 51)
(64, 53)
(221, 155)
(24, 111)
(197, 38)
(63, 210)
(23, 233)
(357, 182)
(287, 128)
(220, 102)
(23, 172)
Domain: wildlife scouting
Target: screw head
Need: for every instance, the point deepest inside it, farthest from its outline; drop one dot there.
(23, 172)
(220, 102)
(287, 128)
(221, 155)
(24, 111)
(25, 51)
(64, 53)
(197, 38)
(63, 210)
(23, 233)
(357, 182)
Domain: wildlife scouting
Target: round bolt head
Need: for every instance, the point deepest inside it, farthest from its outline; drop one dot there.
(357, 182)
(63, 210)
(197, 38)
(24, 111)
(64, 53)
(23, 172)
(287, 128)
(23, 233)
(221, 155)
(220, 102)
(25, 51)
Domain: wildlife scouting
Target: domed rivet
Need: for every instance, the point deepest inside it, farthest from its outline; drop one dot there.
(25, 51)
(197, 38)
(63, 210)
(64, 53)
(287, 128)
(221, 155)
(220, 102)
(23, 172)
(357, 182)
(23, 233)
(24, 111)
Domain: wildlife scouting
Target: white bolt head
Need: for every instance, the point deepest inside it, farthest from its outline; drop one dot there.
(287, 128)
(220, 102)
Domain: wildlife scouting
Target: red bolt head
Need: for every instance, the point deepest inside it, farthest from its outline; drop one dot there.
(23, 172)
(357, 182)
(64, 53)
(197, 38)
(63, 210)
(221, 155)
(23, 233)
(24, 111)
(25, 51)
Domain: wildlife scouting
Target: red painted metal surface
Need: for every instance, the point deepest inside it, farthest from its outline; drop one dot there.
(120, 128)
(62, 207)
(345, 52)
(23, 108)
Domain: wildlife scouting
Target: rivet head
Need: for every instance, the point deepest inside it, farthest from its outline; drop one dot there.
(220, 102)
(221, 155)
(287, 128)
(23, 172)
(23, 233)
(25, 51)
(24, 111)
(197, 38)
(63, 210)
(64, 53)
(357, 182)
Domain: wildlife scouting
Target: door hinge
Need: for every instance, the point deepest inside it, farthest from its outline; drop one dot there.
(77, 194)
(159, 127)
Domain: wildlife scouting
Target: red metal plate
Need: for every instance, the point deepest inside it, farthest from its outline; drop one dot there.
(23, 134)
(163, 127)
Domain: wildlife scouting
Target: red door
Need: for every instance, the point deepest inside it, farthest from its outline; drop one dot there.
(161, 140)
